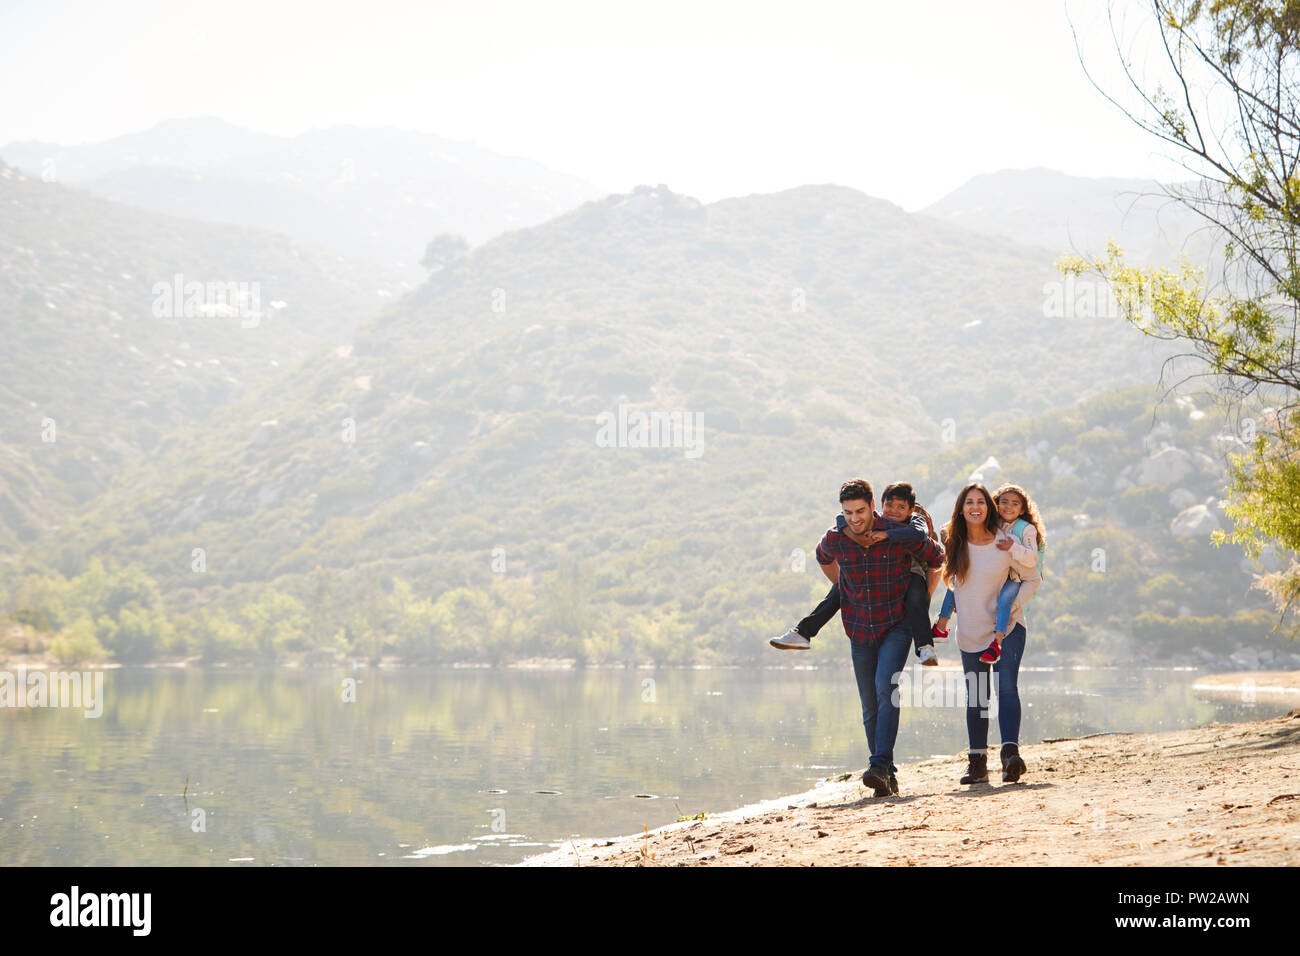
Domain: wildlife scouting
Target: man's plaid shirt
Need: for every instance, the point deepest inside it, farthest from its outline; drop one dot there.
(873, 581)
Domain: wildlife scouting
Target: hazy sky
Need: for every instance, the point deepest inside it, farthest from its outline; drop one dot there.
(901, 100)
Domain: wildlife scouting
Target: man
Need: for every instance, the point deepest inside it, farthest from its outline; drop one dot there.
(872, 575)
(908, 521)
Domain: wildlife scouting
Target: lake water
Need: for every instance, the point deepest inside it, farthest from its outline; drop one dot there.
(474, 767)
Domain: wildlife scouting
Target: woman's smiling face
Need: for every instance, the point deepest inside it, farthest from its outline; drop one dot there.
(975, 508)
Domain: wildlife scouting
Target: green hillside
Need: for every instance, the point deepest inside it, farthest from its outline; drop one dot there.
(440, 489)
(99, 365)
(1131, 570)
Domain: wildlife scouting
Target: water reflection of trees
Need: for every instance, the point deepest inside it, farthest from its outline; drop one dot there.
(286, 771)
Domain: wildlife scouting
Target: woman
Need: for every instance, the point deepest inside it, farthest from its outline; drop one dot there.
(976, 563)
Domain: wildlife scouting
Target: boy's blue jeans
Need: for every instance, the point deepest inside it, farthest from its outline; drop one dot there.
(1006, 598)
(876, 665)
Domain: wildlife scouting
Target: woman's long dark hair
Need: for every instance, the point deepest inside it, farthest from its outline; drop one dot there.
(956, 559)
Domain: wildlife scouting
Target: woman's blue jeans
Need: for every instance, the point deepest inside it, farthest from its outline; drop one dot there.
(979, 679)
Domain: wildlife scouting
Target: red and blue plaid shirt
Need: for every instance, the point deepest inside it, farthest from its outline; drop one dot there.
(874, 580)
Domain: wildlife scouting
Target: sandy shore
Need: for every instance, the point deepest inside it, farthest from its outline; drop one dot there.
(1223, 794)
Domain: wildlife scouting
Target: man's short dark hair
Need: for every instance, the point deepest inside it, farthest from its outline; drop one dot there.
(856, 488)
(899, 489)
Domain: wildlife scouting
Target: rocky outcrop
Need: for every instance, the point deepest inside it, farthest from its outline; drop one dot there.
(1168, 466)
(1198, 521)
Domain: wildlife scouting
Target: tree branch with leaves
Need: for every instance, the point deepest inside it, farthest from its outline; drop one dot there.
(1223, 89)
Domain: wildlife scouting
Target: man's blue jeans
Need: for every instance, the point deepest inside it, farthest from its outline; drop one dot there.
(876, 665)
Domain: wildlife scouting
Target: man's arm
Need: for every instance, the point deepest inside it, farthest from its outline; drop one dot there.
(826, 558)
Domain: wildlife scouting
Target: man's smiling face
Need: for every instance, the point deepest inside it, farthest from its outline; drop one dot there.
(857, 513)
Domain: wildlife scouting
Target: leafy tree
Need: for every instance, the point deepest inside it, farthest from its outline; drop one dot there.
(462, 618)
(276, 622)
(138, 634)
(1226, 96)
(220, 638)
(418, 628)
(566, 606)
(78, 644)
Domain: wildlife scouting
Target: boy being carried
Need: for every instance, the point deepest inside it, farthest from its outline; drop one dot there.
(907, 521)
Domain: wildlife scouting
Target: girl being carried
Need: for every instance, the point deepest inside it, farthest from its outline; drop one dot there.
(1023, 534)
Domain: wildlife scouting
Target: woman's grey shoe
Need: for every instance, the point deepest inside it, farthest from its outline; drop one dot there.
(1012, 765)
(791, 640)
(977, 771)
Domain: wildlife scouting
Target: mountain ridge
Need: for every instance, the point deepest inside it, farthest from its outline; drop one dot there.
(380, 193)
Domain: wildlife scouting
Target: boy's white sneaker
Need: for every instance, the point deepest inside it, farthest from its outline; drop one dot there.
(791, 640)
(928, 657)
